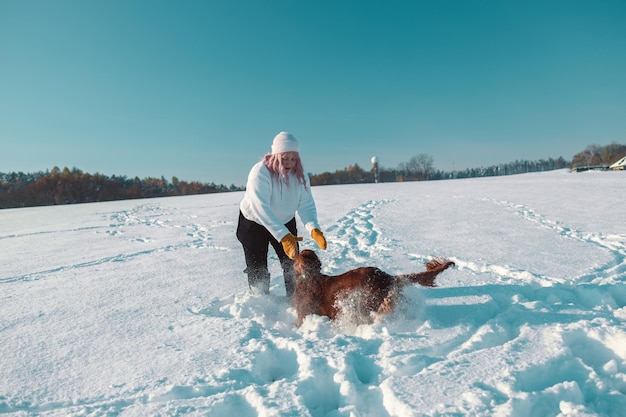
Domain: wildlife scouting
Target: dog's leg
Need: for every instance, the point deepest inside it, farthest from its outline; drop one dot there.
(390, 301)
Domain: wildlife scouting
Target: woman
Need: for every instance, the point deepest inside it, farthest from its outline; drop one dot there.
(277, 188)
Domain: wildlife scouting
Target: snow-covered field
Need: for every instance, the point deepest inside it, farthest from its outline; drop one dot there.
(140, 308)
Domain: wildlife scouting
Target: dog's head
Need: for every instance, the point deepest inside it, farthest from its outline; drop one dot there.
(307, 264)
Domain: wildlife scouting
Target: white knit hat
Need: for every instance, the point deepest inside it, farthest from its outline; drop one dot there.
(285, 142)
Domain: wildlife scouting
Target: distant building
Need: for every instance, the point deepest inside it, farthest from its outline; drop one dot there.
(619, 165)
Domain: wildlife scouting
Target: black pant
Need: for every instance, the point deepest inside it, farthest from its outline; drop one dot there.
(255, 240)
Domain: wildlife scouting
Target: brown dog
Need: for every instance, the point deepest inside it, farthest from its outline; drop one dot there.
(369, 289)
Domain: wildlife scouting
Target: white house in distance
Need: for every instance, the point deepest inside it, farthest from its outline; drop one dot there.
(619, 165)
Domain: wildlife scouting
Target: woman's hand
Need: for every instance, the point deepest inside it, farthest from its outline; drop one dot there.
(290, 244)
(319, 238)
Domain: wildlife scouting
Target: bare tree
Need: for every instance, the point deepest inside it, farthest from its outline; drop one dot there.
(420, 166)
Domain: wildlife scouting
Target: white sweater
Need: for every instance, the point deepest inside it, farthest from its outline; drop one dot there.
(271, 203)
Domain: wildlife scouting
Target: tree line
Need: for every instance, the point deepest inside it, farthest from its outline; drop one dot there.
(421, 168)
(66, 186)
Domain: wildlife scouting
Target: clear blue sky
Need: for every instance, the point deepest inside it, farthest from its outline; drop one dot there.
(198, 89)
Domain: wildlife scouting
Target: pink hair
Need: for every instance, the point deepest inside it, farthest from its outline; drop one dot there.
(274, 163)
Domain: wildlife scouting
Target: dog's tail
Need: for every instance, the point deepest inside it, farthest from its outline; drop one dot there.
(427, 278)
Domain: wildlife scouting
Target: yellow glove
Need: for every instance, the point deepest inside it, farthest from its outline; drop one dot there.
(318, 237)
(290, 244)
